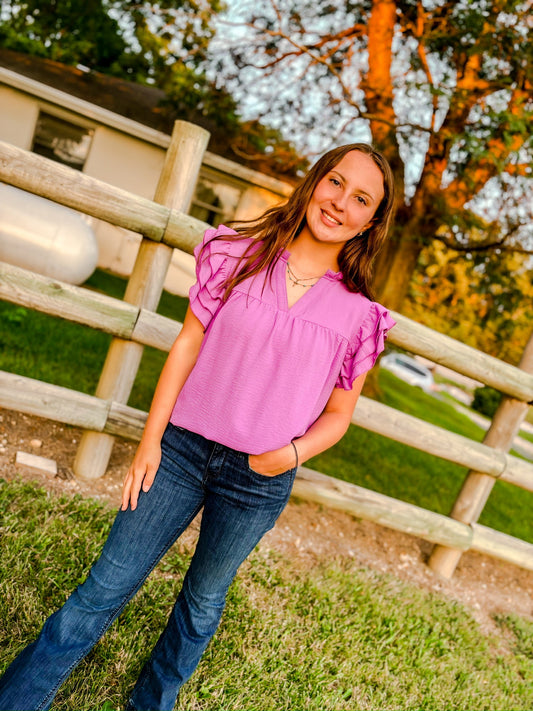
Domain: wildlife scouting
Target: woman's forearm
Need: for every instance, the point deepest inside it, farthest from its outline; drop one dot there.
(180, 361)
(332, 424)
(323, 434)
(328, 429)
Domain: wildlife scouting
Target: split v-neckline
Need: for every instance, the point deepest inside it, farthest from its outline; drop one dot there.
(284, 284)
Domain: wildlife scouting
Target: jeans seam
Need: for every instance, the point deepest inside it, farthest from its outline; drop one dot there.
(208, 464)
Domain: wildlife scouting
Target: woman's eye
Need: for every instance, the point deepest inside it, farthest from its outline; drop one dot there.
(360, 199)
(334, 181)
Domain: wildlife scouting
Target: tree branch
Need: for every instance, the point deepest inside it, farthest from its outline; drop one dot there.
(500, 244)
(419, 34)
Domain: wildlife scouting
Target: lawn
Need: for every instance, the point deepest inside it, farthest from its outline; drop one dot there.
(56, 351)
(335, 637)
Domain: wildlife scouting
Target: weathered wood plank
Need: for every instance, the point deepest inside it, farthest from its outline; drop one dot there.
(69, 187)
(500, 545)
(155, 330)
(74, 303)
(74, 189)
(463, 359)
(184, 231)
(363, 503)
(54, 402)
(416, 433)
(518, 472)
(387, 421)
(125, 421)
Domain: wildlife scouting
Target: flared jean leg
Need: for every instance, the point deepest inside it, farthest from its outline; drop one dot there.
(240, 507)
(137, 541)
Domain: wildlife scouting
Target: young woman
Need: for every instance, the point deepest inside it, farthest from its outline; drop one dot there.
(264, 374)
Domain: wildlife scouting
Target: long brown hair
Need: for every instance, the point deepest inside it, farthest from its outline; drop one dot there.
(275, 229)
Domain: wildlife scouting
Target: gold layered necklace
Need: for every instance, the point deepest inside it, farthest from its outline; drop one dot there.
(301, 281)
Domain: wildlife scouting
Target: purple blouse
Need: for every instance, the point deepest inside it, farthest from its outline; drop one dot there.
(266, 371)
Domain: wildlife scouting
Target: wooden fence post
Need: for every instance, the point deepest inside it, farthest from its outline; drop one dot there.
(477, 486)
(175, 189)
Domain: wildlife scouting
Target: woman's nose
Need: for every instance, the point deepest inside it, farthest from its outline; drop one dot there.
(338, 203)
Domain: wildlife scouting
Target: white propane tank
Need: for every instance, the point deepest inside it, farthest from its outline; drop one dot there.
(44, 237)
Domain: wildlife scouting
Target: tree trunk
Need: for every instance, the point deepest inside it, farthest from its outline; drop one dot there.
(394, 268)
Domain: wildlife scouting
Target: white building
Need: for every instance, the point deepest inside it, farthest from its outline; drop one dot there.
(115, 131)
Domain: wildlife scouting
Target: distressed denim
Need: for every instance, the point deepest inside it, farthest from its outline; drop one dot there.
(239, 507)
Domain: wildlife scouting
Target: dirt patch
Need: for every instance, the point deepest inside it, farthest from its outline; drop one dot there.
(305, 533)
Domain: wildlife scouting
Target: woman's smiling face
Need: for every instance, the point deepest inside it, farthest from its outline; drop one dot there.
(345, 200)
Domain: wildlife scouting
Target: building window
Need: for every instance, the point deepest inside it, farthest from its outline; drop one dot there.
(62, 141)
(214, 202)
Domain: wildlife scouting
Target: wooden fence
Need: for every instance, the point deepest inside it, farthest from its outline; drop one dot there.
(133, 323)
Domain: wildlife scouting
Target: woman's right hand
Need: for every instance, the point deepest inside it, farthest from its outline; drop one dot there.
(141, 473)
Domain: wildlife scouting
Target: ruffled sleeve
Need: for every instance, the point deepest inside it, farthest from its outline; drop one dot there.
(212, 269)
(370, 342)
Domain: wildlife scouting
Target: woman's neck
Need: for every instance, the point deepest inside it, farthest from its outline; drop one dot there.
(313, 258)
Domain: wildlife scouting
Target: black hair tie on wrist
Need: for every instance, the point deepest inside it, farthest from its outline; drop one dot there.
(295, 454)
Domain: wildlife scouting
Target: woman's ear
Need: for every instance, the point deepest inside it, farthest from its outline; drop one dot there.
(369, 224)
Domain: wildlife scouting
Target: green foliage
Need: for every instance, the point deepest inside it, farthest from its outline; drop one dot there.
(441, 88)
(164, 44)
(68, 31)
(486, 401)
(334, 637)
(139, 40)
(483, 299)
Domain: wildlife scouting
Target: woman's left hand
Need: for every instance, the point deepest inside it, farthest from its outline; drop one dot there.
(274, 462)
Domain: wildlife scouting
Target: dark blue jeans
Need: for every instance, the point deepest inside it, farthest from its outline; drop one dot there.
(239, 507)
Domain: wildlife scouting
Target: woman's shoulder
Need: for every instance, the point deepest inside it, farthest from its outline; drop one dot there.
(368, 315)
(378, 320)
(222, 240)
(373, 310)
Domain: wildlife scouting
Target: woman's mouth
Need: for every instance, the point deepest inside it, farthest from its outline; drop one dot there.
(330, 219)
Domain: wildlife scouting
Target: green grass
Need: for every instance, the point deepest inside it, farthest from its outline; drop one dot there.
(59, 352)
(526, 435)
(336, 637)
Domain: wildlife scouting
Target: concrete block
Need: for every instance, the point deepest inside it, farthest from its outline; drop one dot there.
(33, 461)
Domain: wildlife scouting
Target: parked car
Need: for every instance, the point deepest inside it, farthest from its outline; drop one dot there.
(409, 370)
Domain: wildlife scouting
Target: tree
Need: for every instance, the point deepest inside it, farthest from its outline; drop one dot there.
(444, 89)
(142, 41)
(68, 32)
(484, 299)
(165, 44)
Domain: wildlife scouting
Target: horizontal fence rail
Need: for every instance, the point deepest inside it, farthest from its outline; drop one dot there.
(34, 397)
(369, 414)
(87, 307)
(68, 187)
(461, 358)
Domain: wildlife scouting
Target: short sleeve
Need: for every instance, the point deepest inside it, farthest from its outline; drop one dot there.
(212, 269)
(363, 353)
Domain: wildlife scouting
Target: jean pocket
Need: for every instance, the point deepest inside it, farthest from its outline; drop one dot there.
(266, 476)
